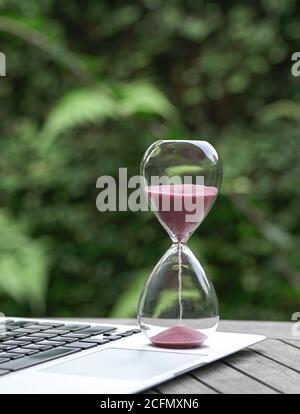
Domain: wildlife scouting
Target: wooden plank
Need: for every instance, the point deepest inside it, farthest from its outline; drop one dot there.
(184, 385)
(269, 329)
(266, 370)
(293, 342)
(228, 380)
(279, 351)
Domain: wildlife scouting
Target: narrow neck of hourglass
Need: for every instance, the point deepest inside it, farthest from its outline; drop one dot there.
(182, 240)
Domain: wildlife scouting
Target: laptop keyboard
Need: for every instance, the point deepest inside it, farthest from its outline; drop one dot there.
(24, 344)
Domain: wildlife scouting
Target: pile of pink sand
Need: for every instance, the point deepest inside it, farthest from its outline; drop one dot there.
(179, 336)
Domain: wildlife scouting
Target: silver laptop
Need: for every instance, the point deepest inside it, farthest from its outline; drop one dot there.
(54, 356)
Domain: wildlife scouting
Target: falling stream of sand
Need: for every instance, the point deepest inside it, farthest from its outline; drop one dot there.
(180, 281)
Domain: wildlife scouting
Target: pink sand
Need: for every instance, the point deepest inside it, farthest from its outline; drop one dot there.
(187, 196)
(179, 336)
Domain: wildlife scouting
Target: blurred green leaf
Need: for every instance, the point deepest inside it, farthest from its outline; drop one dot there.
(142, 97)
(23, 264)
(93, 105)
(278, 236)
(127, 302)
(77, 108)
(282, 109)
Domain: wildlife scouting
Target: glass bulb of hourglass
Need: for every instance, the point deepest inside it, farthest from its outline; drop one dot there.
(178, 306)
(182, 196)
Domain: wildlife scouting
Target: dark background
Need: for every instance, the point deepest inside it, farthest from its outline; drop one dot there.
(89, 86)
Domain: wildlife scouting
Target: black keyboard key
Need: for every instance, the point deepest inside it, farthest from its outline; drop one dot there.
(9, 355)
(51, 343)
(125, 334)
(19, 323)
(113, 337)
(8, 335)
(7, 347)
(15, 334)
(96, 341)
(38, 327)
(27, 339)
(42, 335)
(13, 324)
(3, 360)
(3, 372)
(58, 331)
(23, 351)
(37, 347)
(82, 345)
(52, 324)
(62, 339)
(25, 331)
(134, 331)
(97, 330)
(16, 342)
(59, 328)
(75, 327)
(32, 360)
(75, 335)
(12, 328)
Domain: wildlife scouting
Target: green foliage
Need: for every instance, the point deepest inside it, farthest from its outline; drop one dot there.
(96, 104)
(23, 264)
(90, 86)
(78, 108)
(126, 303)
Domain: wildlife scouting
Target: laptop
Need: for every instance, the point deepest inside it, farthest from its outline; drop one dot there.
(41, 356)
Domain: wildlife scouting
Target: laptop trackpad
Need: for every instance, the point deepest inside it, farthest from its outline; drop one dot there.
(118, 363)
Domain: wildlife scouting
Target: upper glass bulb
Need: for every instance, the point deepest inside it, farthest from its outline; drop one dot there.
(181, 182)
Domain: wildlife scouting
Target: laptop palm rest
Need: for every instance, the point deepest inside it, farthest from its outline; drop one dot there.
(129, 364)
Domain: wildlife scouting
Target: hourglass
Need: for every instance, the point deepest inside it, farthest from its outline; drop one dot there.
(178, 307)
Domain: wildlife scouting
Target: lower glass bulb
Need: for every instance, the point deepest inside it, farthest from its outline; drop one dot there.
(178, 306)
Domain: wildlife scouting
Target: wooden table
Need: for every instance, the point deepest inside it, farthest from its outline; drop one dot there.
(271, 366)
